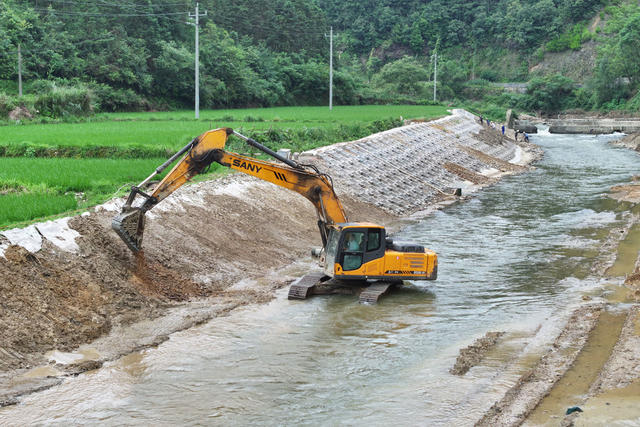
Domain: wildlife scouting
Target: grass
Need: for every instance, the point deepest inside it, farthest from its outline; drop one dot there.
(16, 208)
(169, 134)
(49, 169)
(41, 187)
(300, 115)
(76, 175)
(172, 130)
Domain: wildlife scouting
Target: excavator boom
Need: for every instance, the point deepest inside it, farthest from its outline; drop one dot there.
(315, 187)
(209, 147)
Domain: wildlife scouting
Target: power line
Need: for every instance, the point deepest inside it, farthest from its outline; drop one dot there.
(164, 15)
(105, 38)
(97, 14)
(108, 4)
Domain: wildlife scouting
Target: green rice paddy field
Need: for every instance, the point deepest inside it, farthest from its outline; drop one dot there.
(53, 169)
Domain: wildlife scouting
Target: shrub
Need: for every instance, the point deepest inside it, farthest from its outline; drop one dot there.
(489, 74)
(7, 103)
(550, 94)
(109, 99)
(572, 39)
(634, 103)
(65, 101)
(42, 86)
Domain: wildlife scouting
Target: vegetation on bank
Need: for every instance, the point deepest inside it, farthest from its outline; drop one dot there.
(34, 188)
(80, 58)
(48, 169)
(125, 135)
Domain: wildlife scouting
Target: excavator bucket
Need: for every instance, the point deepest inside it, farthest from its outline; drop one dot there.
(129, 225)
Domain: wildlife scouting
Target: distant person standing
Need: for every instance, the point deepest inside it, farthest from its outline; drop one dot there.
(503, 129)
(526, 137)
(481, 121)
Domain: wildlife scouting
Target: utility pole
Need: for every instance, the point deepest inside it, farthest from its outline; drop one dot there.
(197, 15)
(19, 71)
(473, 63)
(330, 68)
(435, 75)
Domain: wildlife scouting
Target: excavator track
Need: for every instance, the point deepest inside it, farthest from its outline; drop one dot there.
(372, 293)
(303, 287)
(308, 285)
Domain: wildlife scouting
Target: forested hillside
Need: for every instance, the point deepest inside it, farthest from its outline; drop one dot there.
(80, 56)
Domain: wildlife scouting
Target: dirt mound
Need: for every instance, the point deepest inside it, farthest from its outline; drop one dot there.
(53, 299)
(153, 279)
(627, 192)
(208, 237)
(45, 305)
(472, 355)
(466, 174)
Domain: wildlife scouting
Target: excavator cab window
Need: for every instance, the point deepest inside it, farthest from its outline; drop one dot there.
(332, 248)
(373, 239)
(353, 248)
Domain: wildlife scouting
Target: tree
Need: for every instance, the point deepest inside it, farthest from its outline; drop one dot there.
(628, 49)
(550, 94)
(405, 74)
(173, 71)
(617, 74)
(415, 39)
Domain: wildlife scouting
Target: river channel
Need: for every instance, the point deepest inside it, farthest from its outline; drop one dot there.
(514, 258)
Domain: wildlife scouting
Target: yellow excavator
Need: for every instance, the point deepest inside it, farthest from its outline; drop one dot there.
(351, 251)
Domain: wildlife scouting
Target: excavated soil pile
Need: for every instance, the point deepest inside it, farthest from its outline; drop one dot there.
(59, 291)
(472, 355)
(197, 245)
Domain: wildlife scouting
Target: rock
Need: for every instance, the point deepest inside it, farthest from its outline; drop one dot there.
(573, 409)
(510, 119)
(20, 113)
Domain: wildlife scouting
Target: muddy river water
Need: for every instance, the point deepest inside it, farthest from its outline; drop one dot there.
(515, 258)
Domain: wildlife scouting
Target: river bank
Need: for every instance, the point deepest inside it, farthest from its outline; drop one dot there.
(594, 363)
(75, 297)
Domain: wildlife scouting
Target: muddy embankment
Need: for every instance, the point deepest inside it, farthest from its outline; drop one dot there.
(71, 285)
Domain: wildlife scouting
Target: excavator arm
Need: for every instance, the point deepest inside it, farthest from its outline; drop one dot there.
(208, 148)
